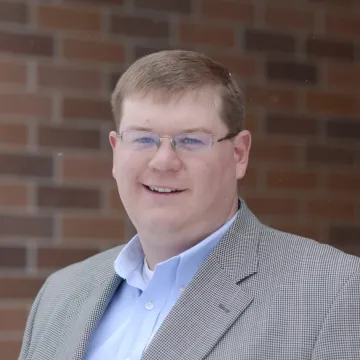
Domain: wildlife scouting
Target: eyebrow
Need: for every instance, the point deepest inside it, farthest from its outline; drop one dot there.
(139, 128)
(185, 131)
(199, 129)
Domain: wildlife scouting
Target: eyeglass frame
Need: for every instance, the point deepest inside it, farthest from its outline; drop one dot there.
(171, 138)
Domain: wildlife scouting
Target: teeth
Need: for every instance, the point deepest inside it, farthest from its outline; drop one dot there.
(153, 188)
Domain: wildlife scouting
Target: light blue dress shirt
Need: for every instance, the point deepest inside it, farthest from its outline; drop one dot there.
(143, 300)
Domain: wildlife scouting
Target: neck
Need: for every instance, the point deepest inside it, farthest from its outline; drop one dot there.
(160, 246)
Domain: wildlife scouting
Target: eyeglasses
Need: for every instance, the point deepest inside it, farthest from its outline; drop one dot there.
(188, 142)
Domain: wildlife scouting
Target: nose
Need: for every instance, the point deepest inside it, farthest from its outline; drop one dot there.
(165, 158)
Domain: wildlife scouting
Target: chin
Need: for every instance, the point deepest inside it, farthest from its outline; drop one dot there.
(163, 221)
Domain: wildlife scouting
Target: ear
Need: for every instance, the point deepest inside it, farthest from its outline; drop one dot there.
(113, 141)
(242, 145)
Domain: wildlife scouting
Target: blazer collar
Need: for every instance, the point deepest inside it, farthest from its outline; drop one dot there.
(237, 252)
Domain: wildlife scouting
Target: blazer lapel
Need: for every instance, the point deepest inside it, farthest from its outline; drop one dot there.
(214, 299)
(84, 314)
(91, 313)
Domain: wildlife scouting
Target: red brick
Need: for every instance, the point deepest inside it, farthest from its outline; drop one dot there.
(253, 120)
(244, 66)
(345, 236)
(26, 225)
(99, 2)
(272, 205)
(281, 2)
(27, 44)
(175, 6)
(272, 98)
(13, 319)
(327, 103)
(140, 51)
(68, 18)
(112, 79)
(250, 180)
(87, 168)
(347, 183)
(12, 257)
(332, 209)
(56, 258)
(115, 201)
(341, 75)
(344, 129)
(273, 152)
(197, 33)
(229, 9)
(63, 78)
(10, 349)
(26, 105)
(303, 73)
(308, 231)
(59, 137)
(286, 18)
(139, 26)
(13, 12)
(79, 108)
(26, 165)
(19, 288)
(12, 72)
(330, 48)
(93, 228)
(343, 24)
(339, 3)
(294, 125)
(287, 179)
(329, 155)
(13, 134)
(344, 243)
(13, 194)
(263, 40)
(93, 51)
(67, 197)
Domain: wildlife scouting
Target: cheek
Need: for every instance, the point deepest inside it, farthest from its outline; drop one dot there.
(127, 166)
(218, 174)
(205, 175)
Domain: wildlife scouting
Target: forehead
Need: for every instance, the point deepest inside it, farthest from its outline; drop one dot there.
(199, 109)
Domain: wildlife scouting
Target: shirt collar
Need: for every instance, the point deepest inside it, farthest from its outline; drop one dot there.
(130, 262)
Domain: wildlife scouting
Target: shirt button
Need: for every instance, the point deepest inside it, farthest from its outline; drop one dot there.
(149, 305)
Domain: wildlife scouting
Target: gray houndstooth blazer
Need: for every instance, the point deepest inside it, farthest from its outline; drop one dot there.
(260, 295)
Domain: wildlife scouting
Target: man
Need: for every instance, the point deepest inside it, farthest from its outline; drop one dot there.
(203, 278)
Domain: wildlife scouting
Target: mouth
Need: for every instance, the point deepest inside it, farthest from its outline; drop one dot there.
(162, 190)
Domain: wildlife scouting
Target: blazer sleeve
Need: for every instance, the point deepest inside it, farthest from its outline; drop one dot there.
(28, 334)
(339, 337)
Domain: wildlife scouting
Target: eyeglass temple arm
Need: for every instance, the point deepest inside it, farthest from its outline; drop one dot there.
(228, 136)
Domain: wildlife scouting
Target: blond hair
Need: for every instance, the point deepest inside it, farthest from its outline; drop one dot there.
(172, 73)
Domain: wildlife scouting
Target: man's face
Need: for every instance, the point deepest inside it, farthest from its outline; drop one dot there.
(207, 180)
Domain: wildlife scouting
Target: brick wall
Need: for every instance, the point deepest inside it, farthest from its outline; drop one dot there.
(297, 60)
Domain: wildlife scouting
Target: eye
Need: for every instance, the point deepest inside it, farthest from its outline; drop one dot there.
(144, 140)
(191, 141)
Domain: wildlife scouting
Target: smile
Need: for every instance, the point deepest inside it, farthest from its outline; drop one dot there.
(164, 190)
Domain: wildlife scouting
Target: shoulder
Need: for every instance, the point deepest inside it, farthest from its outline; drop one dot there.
(306, 257)
(85, 273)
